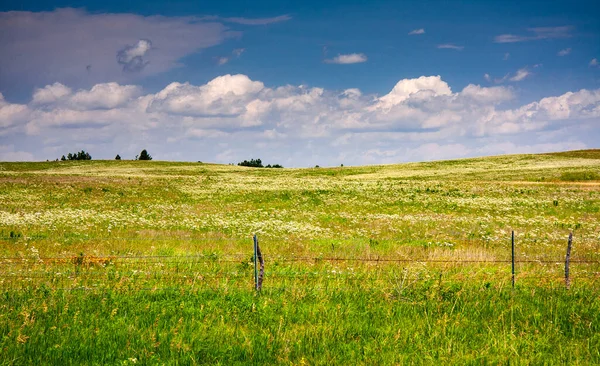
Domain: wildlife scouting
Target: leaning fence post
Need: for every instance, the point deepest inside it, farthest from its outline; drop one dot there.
(513, 258)
(567, 261)
(258, 260)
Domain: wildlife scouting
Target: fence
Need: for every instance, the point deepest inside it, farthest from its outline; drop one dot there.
(152, 272)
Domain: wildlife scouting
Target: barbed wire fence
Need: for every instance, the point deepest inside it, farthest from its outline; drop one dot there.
(210, 268)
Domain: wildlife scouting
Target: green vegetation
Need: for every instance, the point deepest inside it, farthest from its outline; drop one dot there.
(82, 155)
(144, 155)
(122, 262)
(257, 163)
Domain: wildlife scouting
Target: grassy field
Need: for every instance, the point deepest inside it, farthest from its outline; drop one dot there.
(123, 262)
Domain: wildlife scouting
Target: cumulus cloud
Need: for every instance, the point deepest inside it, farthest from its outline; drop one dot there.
(564, 52)
(227, 95)
(132, 56)
(416, 31)
(235, 117)
(536, 34)
(50, 93)
(450, 46)
(352, 58)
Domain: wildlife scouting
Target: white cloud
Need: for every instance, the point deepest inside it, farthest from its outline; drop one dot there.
(492, 95)
(12, 116)
(520, 75)
(100, 96)
(564, 52)
(417, 31)
(352, 58)
(233, 116)
(506, 56)
(8, 153)
(512, 148)
(450, 46)
(222, 60)
(51, 93)
(226, 95)
(536, 34)
(131, 56)
(407, 88)
(594, 62)
(487, 77)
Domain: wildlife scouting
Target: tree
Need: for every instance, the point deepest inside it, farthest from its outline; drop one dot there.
(118, 157)
(255, 163)
(144, 155)
(82, 155)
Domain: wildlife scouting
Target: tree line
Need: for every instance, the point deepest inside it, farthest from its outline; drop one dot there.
(257, 163)
(83, 155)
(144, 155)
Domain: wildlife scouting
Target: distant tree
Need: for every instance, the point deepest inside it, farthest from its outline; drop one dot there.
(118, 157)
(82, 155)
(254, 163)
(275, 166)
(144, 155)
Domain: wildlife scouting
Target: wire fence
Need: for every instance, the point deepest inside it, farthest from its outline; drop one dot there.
(217, 269)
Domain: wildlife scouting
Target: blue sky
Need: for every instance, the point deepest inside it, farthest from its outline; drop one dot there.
(298, 83)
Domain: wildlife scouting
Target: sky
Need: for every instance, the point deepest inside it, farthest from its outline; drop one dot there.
(298, 83)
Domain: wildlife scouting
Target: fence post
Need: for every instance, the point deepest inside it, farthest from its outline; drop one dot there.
(255, 260)
(258, 260)
(567, 261)
(513, 257)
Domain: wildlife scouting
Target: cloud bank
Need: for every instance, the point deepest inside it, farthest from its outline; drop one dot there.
(233, 117)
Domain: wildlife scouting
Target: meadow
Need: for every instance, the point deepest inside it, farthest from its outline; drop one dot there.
(149, 262)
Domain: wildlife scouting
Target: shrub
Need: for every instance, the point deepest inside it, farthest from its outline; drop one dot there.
(118, 157)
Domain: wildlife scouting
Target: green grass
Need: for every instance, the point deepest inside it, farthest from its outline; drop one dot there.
(122, 262)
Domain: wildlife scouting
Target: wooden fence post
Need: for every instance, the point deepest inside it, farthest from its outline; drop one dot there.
(567, 261)
(513, 257)
(258, 260)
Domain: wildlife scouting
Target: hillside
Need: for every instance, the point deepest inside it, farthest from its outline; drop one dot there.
(119, 262)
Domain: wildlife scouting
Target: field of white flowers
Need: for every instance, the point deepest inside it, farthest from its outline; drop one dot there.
(64, 208)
